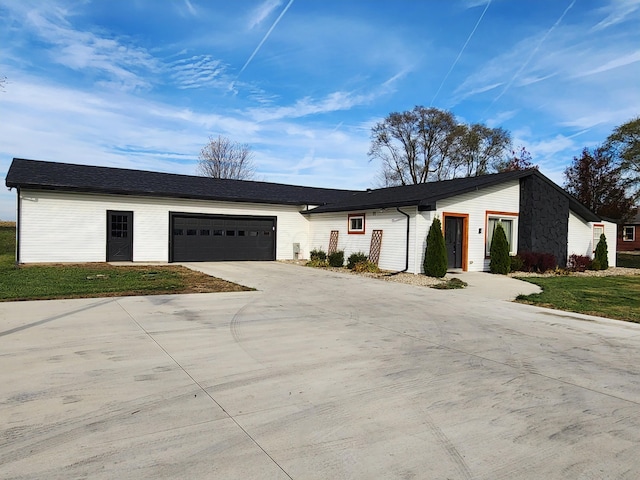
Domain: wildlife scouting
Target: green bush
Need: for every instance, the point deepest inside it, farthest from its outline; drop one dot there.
(318, 254)
(355, 258)
(595, 265)
(500, 261)
(602, 253)
(435, 256)
(336, 259)
(517, 263)
(366, 266)
(317, 263)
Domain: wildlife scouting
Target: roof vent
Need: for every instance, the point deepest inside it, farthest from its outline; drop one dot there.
(368, 190)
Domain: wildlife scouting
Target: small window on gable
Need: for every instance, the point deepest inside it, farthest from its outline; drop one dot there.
(356, 223)
(628, 233)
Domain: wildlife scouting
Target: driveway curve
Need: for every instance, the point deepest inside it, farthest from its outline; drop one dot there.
(316, 375)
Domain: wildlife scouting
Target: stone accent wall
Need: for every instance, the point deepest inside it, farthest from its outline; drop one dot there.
(543, 224)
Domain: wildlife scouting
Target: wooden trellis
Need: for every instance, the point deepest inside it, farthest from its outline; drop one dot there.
(333, 242)
(376, 245)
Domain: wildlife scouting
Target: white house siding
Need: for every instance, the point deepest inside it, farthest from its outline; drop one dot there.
(392, 223)
(71, 227)
(611, 232)
(504, 198)
(580, 236)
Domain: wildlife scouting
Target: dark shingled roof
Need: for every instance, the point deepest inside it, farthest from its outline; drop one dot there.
(84, 178)
(37, 174)
(425, 195)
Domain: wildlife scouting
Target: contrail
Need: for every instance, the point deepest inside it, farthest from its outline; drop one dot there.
(264, 39)
(535, 50)
(461, 51)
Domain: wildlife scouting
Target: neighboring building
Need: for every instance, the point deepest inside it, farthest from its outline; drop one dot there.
(629, 235)
(78, 213)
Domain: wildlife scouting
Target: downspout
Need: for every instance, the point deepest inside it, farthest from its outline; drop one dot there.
(406, 260)
(18, 224)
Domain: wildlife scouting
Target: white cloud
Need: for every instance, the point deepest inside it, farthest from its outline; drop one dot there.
(617, 11)
(262, 12)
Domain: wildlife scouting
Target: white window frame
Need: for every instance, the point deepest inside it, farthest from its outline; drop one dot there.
(501, 217)
(627, 238)
(596, 237)
(356, 230)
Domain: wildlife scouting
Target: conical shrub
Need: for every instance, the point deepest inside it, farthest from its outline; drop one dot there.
(500, 260)
(602, 253)
(435, 256)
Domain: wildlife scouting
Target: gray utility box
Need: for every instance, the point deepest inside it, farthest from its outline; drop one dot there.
(296, 251)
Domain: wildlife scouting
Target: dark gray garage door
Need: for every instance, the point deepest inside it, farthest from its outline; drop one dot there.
(207, 238)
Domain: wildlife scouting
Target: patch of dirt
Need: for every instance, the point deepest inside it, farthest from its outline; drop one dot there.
(4, 223)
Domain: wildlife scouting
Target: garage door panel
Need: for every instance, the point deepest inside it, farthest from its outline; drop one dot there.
(220, 238)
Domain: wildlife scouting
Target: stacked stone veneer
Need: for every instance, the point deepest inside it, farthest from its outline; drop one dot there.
(543, 224)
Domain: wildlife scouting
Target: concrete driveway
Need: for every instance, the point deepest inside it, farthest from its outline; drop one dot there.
(317, 375)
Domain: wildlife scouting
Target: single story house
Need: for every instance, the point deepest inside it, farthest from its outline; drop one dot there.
(629, 235)
(80, 213)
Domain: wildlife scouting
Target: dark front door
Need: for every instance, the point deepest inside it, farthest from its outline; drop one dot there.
(453, 227)
(119, 236)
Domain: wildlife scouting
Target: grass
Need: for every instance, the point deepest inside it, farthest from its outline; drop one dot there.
(628, 260)
(36, 282)
(611, 297)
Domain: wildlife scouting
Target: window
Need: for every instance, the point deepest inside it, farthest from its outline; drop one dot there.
(205, 232)
(628, 233)
(191, 231)
(356, 224)
(509, 225)
(597, 231)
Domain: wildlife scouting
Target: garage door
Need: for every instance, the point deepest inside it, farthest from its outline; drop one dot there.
(207, 238)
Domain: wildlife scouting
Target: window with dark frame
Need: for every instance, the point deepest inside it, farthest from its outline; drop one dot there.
(356, 224)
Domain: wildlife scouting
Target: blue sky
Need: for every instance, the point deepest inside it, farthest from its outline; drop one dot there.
(143, 83)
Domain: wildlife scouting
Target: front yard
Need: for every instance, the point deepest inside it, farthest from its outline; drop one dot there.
(612, 297)
(36, 282)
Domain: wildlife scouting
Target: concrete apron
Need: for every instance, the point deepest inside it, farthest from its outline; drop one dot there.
(316, 375)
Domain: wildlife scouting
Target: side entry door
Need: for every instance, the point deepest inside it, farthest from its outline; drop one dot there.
(119, 236)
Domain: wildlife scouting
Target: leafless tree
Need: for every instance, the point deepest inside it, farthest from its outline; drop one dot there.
(222, 158)
(427, 144)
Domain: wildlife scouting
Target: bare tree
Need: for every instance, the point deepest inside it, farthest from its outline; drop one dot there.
(427, 144)
(222, 158)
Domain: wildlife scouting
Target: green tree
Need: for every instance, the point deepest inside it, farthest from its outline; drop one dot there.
(596, 180)
(499, 250)
(435, 256)
(602, 253)
(624, 145)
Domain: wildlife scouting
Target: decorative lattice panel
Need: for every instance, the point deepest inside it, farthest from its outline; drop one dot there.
(333, 242)
(376, 245)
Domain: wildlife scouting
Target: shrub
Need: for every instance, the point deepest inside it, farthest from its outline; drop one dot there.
(538, 262)
(595, 265)
(452, 284)
(602, 253)
(435, 256)
(318, 254)
(517, 264)
(316, 263)
(366, 266)
(547, 262)
(336, 259)
(500, 260)
(355, 258)
(578, 263)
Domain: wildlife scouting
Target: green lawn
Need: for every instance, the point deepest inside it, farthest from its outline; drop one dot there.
(612, 297)
(628, 260)
(33, 282)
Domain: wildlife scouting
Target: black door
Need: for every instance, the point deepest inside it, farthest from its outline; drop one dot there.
(119, 236)
(453, 240)
(209, 238)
